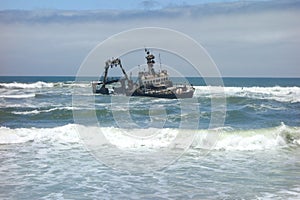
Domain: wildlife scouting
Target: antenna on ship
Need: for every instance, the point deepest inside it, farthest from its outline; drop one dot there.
(159, 61)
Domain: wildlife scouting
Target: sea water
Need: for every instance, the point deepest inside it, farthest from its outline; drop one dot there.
(255, 156)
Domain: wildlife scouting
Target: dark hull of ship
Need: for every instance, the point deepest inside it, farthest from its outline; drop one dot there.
(102, 91)
(98, 89)
(168, 95)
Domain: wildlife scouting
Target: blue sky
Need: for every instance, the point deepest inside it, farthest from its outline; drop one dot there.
(97, 4)
(244, 38)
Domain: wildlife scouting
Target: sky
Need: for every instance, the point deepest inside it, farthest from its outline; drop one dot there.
(244, 38)
(98, 4)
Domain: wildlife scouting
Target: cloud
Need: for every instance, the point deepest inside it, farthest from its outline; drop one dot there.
(196, 12)
(149, 4)
(244, 38)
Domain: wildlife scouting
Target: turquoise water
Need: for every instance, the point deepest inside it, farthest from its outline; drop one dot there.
(254, 156)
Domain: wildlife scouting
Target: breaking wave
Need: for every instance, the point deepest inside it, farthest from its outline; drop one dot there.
(18, 96)
(16, 85)
(255, 139)
(277, 93)
(41, 84)
(227, 139)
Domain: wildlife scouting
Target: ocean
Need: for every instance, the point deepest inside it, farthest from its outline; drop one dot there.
(60, 141)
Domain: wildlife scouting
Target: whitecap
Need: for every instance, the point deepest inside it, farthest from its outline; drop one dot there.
(61, 134)
(16, 85)
(277, 93)
(250, 140)
(225, 139)
(18, 96)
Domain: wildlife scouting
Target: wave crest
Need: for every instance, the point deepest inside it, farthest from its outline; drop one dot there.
(227, 139)
(277, 93)
(255, 139)
(18, 96)
(41, 84)
(16, 85)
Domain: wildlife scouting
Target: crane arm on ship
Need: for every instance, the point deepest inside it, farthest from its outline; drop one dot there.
(105, 73)
(124, 72)
(113, 63)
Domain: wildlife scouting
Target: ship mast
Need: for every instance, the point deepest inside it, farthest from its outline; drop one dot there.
(150, 62)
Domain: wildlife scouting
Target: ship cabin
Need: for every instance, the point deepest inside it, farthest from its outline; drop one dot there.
(154, 79)
(151, 79)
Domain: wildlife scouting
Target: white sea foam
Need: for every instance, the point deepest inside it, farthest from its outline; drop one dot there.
(35, 111)
(72, 84)
(218, 139)
(83, 85)
(64, 134)
(16, 85)
(41, 84)
(282, 94)
(256, 139)
(18, 96)
(29, 105)
(127, 138)
(264, 107)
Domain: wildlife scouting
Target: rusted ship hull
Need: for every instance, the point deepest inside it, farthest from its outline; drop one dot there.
(167, 94)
